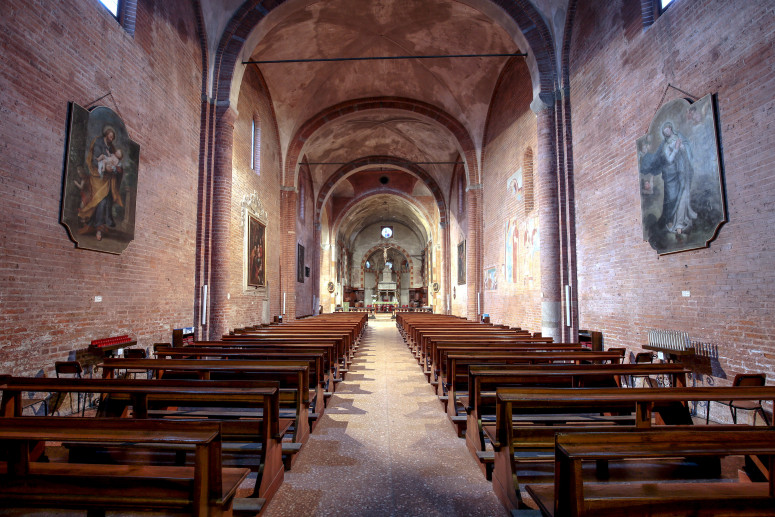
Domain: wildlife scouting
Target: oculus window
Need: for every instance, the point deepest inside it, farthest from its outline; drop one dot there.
(387, 232)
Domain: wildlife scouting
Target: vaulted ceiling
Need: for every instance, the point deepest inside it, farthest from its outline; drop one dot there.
(431, 112)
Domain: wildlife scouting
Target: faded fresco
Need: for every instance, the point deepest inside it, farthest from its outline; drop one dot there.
(100, 186)
(515, 185)
(681, 192)
(522, 254)
(491, 279)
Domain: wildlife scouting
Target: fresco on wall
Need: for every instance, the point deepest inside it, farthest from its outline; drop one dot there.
(522, 260)
(100, 187)
(491, 279)
(515, 185)
(681, 192)
(512, 250)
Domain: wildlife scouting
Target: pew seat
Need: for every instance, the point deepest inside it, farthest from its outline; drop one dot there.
(571, 496)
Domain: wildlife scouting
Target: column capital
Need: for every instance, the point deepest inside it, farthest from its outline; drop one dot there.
(225, 113)
(541, 102)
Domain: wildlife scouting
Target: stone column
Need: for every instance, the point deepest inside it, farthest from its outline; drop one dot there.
(548, 217)
(221, 215)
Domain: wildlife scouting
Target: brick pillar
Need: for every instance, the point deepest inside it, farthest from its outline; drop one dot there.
(474, 252)
(315, 263)
(221, 215)
(288, 199)
(204, 210)
(548, 218)
(443, 271)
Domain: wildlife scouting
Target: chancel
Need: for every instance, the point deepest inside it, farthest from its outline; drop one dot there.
(400, 257)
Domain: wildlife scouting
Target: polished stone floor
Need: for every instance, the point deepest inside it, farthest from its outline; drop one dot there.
(385, 446)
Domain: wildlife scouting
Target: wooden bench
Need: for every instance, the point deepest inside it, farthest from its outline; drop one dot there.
(319, 375)
(292, 376)
(477, 404)
(256, 440)
(571, 496)
(205, 489)
(457, 358)
(663, 405)
(335, 357)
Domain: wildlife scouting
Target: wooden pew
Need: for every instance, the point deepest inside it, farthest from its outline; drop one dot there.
(206, 489)
(477, 405)
(264, 432)
(528, 355)
(643, 402)
(292, 376)
(319, 379)
(429, 339)
(571, 496)
(331, 364)
(432, 359)
(456, 359)
(336, 361)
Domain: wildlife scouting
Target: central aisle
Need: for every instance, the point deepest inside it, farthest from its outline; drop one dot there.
(384, 446)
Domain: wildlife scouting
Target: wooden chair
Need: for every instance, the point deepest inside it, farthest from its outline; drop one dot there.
(69, 369)
(644, 357)
(641, 358)
(744, 379)
(136, 353)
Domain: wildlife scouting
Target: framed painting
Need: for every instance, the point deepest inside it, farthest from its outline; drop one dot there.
(681, 189)
(256, 256)
(100, 184)
(461, 263)
(300, 263)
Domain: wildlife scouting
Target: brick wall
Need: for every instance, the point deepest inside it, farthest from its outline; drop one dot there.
(618, 75)
(250, 305)
(510, 141)
(74, 50)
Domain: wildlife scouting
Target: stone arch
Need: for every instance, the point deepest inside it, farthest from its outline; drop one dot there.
(389, 246)
(335, 224)
(465, 143)
(367, 161)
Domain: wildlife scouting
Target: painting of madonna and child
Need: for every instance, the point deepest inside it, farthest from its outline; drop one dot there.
(682, 198)
(100, 186)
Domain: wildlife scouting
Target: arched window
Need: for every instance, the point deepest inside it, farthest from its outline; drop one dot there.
(653, 9)
(302, 196)
(528, 181)
(125, 11)
(461, 193)
(255, 146)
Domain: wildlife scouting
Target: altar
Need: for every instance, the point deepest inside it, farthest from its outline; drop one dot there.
(387, 288)
(387, 292)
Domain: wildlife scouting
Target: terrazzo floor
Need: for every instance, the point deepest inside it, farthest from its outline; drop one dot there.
(384, 447)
